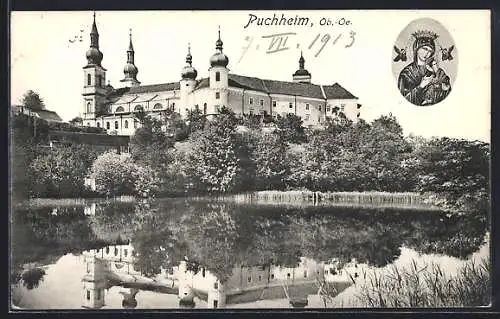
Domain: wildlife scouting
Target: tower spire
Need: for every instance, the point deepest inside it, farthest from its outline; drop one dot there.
(218, 43)
(130, 70)
(130, 45)
(301, 61)
(189, 57)
(94, 35)
(94, 56)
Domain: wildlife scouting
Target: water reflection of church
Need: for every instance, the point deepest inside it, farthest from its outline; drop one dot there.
(114, 265)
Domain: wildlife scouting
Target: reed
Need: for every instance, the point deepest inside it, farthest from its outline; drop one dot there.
(50, 202)
(344, 199)
(427, 285)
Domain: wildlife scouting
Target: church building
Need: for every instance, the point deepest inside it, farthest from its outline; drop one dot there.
(115, 109)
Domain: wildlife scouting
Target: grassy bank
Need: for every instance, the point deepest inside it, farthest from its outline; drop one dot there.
(50, 202)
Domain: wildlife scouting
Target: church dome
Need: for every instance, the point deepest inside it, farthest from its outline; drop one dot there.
(219, 59)
(130, 70)
(302, 72)
(189, 72)
(94, 56)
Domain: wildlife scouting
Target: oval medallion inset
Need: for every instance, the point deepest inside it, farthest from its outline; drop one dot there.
(424, 62)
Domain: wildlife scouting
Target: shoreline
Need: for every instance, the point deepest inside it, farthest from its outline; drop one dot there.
(401, 200)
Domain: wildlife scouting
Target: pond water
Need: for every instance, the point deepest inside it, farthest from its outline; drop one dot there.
(177, 253)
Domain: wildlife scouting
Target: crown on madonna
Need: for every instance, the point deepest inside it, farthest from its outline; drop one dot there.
(425, 34)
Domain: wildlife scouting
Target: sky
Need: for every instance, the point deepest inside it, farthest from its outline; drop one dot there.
(358, 56)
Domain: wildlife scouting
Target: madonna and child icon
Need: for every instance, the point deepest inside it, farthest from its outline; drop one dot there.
(425, 80)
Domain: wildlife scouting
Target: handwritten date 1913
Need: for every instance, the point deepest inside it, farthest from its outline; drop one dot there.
(278, 42)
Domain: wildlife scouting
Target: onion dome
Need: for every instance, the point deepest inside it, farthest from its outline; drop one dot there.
(302, 70)
(188, 71)
(219, 58)
(94, 56)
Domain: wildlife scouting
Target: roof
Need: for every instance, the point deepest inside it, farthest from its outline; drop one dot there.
(296, 291)
(301, 89)
(146, 89)
(49, 116)
(335, 91)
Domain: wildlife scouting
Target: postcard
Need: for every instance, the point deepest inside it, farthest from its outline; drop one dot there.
(250, 159)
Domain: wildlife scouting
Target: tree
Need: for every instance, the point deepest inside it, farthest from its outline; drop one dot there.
(76, 121)
(218, 155)
(269, 157)
(195, 120)
(150, 143)
(32, 100)
(456, 172)
(114, 174)
(292, 129)
(60, 172)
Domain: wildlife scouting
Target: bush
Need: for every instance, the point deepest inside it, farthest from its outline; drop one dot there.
(60, 172)
(114, 174)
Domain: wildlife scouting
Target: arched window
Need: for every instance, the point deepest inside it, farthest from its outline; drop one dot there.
(157, 106)
(116, 125)
(120, 109)
(205, 108)
(89, 106)
(107, 125)
(107, 250)
(126, 124)
(138, 108)
(98, 124)
(116, 249)
(89, 79)
(217, 76)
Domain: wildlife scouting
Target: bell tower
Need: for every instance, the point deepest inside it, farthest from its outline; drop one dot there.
(218, 77)
(94, 87)
(94, 283)
(302, 75)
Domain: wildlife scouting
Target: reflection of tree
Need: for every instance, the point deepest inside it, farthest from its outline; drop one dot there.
(38, 234)
(113, 221)
(32, 277)
(213, 239)
(325, 237)
(456, 236)
(222, 236)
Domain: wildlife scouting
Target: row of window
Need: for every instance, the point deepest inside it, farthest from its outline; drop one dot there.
(328, 107)
(288, 276)
(138, 108)
(117, 126)
(125, 251)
